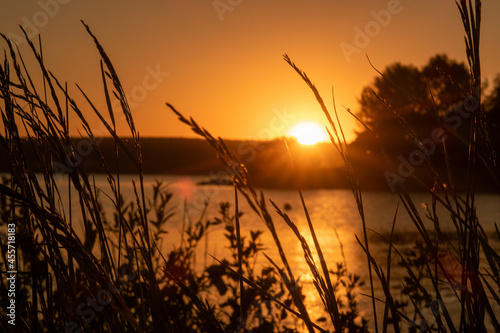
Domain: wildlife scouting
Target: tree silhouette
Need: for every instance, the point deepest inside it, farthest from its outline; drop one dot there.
(405, 106)
(401, 88)
(406, 89)
(448, 82)
(419, 96)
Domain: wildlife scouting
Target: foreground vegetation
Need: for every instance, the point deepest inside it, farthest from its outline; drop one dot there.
(115, 276)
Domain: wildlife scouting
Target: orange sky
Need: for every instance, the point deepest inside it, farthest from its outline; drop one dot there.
(221, 61)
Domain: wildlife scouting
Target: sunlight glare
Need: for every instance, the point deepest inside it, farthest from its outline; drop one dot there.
(309, 133)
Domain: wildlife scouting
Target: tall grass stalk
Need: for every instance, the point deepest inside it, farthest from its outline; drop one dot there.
(340, 143)
(257, 202)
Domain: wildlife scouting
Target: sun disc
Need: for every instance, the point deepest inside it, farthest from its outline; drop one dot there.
(308, 133)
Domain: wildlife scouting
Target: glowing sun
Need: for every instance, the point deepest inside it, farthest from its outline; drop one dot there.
(308, 133)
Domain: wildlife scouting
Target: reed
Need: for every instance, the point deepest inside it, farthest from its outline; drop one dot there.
(115, 274)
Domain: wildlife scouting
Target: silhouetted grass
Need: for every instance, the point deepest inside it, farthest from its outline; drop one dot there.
(112, 274)
(120, 260)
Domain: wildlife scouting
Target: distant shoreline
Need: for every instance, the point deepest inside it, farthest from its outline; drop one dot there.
(267, 162)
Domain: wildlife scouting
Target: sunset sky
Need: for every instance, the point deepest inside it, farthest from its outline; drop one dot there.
(221, 61)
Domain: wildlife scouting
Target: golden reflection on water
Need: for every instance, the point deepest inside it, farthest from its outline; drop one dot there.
(337, 250)
(328, 209)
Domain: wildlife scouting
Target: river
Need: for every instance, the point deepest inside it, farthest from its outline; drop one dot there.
(334, 215)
